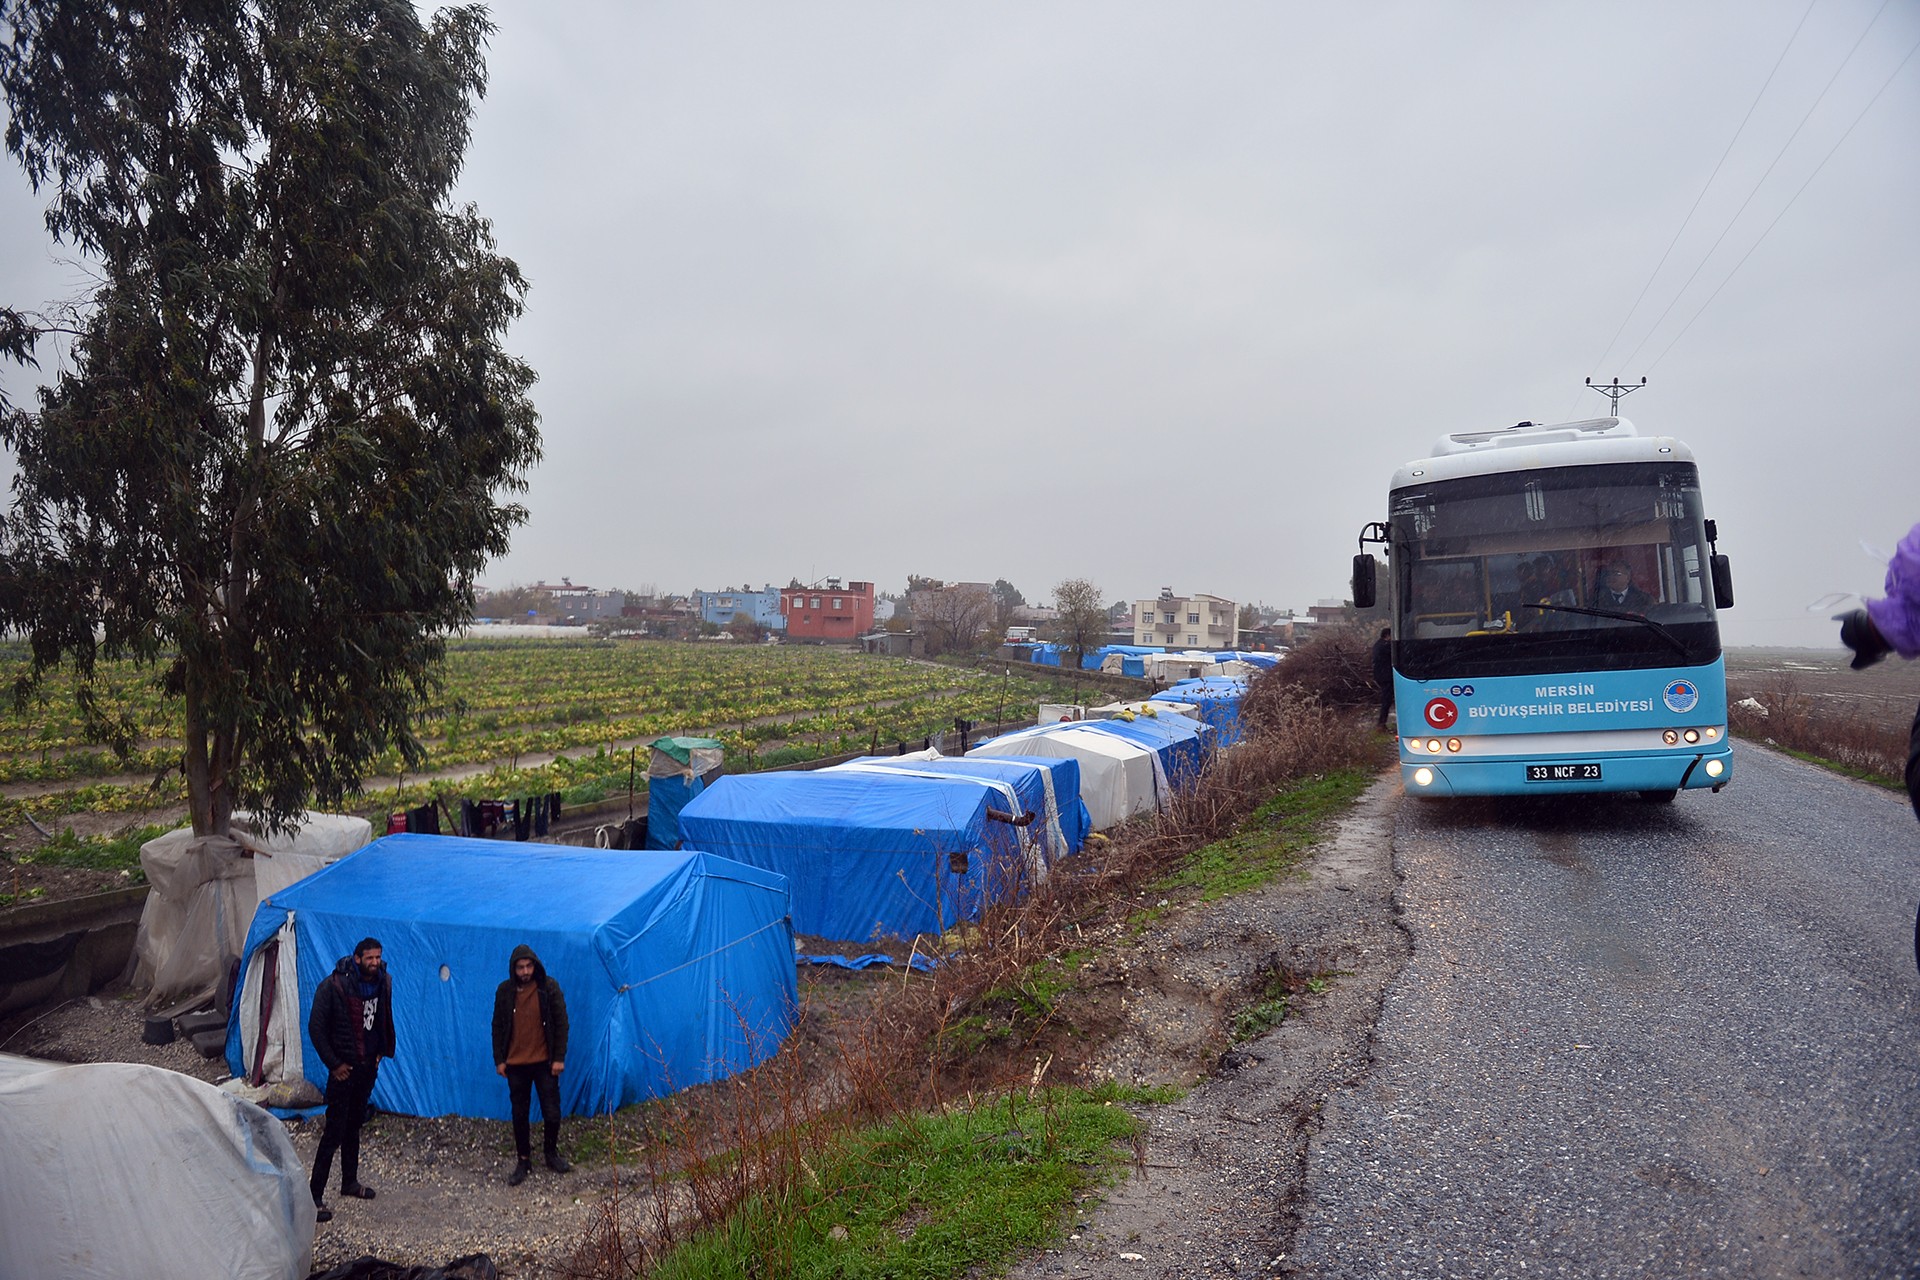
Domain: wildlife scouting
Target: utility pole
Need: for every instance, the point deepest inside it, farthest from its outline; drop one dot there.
(1614, 390)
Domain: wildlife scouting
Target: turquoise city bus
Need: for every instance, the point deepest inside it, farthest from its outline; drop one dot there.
(1553, 591)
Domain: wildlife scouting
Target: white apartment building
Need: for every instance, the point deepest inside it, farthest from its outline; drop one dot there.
(1186, 622)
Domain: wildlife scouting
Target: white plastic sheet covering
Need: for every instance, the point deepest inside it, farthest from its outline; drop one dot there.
(276, 1059)
(1117, 778)
(205, 890)
(115, 1169)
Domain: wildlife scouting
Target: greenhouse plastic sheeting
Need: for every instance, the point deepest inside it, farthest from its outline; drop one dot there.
(116, 1169)
(677, 967)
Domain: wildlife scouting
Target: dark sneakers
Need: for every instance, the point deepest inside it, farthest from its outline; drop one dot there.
(357, 1191)
(521, 1169)
(558, 1163)
(322, 1214)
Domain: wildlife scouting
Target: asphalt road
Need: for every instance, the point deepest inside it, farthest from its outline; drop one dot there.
(1639, 1040)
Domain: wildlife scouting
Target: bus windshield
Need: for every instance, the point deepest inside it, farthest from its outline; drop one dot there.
(1558, 569)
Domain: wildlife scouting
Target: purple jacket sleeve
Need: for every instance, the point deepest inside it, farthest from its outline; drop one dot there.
(1898, 615)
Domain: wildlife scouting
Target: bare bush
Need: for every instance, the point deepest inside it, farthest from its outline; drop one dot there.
(1780, 711)
(1334, 666)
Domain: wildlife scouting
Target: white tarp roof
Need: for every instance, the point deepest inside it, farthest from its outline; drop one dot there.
(1117, 778)
(116, 1169)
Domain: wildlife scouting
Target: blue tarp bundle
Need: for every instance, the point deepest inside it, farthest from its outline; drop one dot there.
(677, 967)
(866, 855)
(1047, 788)
(1218, 698)
(1046, 655)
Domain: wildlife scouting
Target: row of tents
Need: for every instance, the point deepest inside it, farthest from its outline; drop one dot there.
(682, 961)
(679, 965)
(1146, 662)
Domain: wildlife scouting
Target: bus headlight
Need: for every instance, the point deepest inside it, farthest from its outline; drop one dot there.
(1414, 744)
(1713, 735)
(1691, 735)
(1715, 768)
(1423, 776)
(1453, 744)
(1669, 737)
(1433, 745)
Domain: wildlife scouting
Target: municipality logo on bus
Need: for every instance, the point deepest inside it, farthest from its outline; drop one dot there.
(1681, 696)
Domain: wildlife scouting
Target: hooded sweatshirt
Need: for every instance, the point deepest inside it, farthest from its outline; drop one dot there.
(552, 1006)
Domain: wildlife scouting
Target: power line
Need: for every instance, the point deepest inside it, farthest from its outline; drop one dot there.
(1796, 195)
(1708, 256)
(1687, 221)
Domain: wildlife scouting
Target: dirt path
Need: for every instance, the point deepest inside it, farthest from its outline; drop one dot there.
(1214, 1190)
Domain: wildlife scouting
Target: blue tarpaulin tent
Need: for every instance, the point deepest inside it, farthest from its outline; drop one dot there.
(1048, 789)
(867, 856)
(677, 967)
(1181, 743)
(1218, 698)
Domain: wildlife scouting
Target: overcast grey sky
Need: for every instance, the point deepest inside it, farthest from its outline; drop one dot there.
(1160, 295)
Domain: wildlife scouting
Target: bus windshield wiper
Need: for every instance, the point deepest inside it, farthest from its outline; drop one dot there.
(1641, 618)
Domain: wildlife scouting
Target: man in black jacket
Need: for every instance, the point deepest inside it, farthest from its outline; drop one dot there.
(530, 1050)
(351, 1026)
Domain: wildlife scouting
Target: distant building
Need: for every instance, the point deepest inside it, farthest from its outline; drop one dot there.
(570, 603)
(1187, 622)
(721, 607)
(830, 614)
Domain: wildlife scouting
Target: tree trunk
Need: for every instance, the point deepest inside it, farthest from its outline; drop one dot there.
(199, 783)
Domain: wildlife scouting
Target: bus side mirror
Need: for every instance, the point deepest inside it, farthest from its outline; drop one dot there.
(1722, 582)
(1363, 568)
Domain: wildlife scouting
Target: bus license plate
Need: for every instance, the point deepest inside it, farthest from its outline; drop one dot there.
(1563, 772)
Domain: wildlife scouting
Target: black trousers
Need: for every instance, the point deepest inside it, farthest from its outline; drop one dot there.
(346, 1112)
(524, 1079)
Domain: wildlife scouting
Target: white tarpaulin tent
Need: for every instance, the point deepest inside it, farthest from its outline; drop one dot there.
(115, 1169)
(205, 889)
(1118, 778)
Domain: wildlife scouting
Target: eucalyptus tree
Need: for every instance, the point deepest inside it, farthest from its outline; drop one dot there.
(284, 428)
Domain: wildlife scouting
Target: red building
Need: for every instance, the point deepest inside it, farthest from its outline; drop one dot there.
(833, 614)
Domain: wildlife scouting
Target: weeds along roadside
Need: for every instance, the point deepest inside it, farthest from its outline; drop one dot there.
(1777, 710)
(903, 1146)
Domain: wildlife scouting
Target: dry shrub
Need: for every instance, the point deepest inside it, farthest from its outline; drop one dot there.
(1335, 666)
(761, 1133)
(1789, 716)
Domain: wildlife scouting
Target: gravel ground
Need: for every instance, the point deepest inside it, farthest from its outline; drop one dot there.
(440, 1184)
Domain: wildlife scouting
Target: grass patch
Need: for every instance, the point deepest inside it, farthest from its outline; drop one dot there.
(926, 1195)
(1855, 771)
(96, 853)
(1269, 843)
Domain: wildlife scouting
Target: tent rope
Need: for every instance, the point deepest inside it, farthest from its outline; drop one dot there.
(665, 973)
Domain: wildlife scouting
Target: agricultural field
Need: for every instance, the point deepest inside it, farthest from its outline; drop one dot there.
(522, 717)
(1810, 703)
